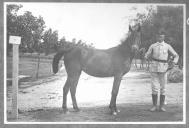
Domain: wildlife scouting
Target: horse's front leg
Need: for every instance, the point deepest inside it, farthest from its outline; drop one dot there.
(115, 90)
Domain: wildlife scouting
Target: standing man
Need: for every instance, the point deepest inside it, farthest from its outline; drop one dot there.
(158, 52)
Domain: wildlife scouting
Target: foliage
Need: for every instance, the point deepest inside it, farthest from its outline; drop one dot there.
(50, 39)
(63, 44)
(175, 75)
(29, 27)
(11, 22)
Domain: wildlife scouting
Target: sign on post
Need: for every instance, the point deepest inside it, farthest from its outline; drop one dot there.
(15, 40)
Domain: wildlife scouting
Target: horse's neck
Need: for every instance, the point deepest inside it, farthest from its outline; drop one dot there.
(125, 51)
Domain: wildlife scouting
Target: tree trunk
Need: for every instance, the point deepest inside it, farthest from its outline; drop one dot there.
(38, 63)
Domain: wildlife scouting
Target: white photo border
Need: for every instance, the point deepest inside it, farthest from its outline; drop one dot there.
(184, 71)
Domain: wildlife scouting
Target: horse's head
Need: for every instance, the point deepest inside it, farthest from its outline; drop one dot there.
(134, 37)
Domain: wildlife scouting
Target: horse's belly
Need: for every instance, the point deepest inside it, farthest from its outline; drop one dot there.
(99, 66)
(98, 73)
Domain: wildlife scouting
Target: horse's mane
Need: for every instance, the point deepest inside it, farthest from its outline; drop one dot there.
(125, 45)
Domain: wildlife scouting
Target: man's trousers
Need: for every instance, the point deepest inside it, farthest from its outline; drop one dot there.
(158, 81)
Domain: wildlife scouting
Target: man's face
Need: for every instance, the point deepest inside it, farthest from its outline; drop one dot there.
(160, 38)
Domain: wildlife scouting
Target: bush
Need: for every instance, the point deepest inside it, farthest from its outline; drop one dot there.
(175, 75)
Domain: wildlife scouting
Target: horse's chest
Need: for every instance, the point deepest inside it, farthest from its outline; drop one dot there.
(126, 66)
(121, 65)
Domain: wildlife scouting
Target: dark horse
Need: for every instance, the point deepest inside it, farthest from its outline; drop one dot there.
(112, 62)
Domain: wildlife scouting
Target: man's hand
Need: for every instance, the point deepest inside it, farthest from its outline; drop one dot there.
(172, 64)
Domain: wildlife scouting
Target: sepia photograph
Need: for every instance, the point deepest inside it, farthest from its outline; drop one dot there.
(94, 63)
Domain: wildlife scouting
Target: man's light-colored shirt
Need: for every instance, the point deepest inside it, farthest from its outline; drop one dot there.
(160, 51)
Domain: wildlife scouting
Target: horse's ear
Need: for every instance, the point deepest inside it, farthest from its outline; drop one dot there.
(130, 29)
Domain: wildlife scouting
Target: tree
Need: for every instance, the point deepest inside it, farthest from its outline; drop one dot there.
(62, 41)
(37, 35)
(50, 40)
(11, 22)
(29, 27)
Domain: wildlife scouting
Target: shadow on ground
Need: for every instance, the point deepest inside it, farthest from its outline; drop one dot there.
(129, 113)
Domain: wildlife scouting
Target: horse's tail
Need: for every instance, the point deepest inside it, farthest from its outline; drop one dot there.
(57, 58)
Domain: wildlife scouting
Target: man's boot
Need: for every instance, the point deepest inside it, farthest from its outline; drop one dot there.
(154, 100)
(162, 100)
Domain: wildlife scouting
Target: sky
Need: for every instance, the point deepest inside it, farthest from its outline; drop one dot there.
(103, 24)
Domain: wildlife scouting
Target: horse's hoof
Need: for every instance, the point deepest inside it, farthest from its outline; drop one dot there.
(77, 110)
(65, 111)
(118, 111)
(114, 113)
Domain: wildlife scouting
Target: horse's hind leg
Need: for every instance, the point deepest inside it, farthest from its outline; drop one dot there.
(73, 88)
(65, 93)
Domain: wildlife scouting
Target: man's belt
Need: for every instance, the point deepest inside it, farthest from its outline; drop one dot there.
(162, 61)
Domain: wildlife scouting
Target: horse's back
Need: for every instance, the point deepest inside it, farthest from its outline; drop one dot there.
(96, 62)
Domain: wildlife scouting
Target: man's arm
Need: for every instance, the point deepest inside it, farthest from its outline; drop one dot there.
(175, 55)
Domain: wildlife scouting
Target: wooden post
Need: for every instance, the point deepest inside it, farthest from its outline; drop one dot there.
(15, 40)
(15, 70)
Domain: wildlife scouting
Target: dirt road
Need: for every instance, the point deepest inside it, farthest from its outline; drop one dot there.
(42, 102)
